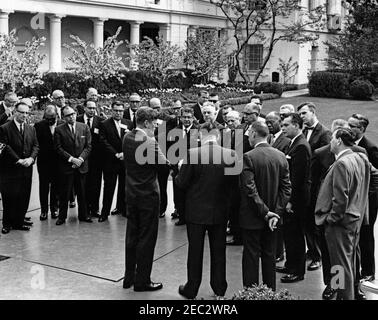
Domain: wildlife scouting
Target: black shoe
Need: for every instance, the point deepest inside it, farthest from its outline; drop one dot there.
(149, 287)
(290, 278)
(28, 223)
(280, 258)
(162, 215)
(174, 214)
(314, 265)
(87, 219)
(54, 215)
(228, 232)
(43, 216)
(5, 230)
(102, 218)
(282, 269)
(59, 222)
(234, 242)
(368, 278)
(27, 218)
(180, 223)
(22, 228)
(359, 294)
(329, 293)
(181, 290)
(114, 212)
(95, 215)
(72, 204)
(127, 284)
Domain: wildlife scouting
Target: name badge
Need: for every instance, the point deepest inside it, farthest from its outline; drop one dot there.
(96, 131)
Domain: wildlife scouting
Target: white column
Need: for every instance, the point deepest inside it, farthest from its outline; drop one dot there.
(4, 22)
(334, 7)
(165, 32)
(55, 43)
(135, 31)
(98, 32)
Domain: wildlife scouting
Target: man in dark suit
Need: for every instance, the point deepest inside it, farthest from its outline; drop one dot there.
(112, 132)
(203, 96)
(95, 160)
(16, 168)
(47, 162)
(342, 206)
(299, 158)
(251, 114)
(219, 115)
(207, 188)
(59, 101)
(317, 136)
(279, 141)
(358, 124)
(72, 142)
(7, 107)
(143, 159)
(322, 159)
(91, 95)
(134, 105)
(265, 192)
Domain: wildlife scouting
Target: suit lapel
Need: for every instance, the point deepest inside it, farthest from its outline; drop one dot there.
(70, 134)
(115, 129)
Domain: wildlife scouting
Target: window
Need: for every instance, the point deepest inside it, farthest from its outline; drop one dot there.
(254, 56)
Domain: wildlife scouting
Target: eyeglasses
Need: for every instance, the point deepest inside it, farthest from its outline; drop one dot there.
(250, 113)
(353, 126)
(70, 115)
(59, 98)
(23, 112)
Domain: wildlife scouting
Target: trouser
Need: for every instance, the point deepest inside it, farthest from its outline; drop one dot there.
(48, 185)
(258, 243)
(110, 181)
(342, 246)
(74, 180)
(141, 235)
(312, 236)
(163, 175)
(217, 242)
(93, 185)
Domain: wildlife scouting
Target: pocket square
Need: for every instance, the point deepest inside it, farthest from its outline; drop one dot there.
(288, 157)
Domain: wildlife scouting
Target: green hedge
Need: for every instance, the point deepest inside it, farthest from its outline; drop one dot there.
(361, 89)
(329, 84)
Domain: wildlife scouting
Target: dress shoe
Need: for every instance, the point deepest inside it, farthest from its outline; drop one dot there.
(181, 290)
(27, 218)
(280, 258)
(282, 269)
(329, 293)
(43, 216)
(180, 223)
(234, 242)
(22, 228)
(368, 278)
(174, 214)
(72, 204)
(28, 223)
(114, 212)
(87, 219)
(5, 230)
(162, 215)
(59, 222)
(290, 278)
(149, 287)
(359, 294)
(54, 215)
(102, 218)
(314, 265)
(127, 284)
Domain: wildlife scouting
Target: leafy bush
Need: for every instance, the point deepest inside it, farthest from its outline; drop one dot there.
(361, 89)
(269, 87)
(329, 84)
(262, 292)
(289, 87)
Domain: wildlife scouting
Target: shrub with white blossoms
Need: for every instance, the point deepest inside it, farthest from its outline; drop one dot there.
(20, 68)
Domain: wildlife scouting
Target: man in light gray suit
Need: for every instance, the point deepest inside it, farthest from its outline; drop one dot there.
(342, 208)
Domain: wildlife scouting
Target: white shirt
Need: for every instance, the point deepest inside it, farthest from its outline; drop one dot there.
(358, 141)
(59, 111)
(86, 120)
(309, 132)
(18, 124)
(275, 136)
(258, 143)
(292, 140)
(186, 130)
(52, 128)
(72, 128)
(341, 153)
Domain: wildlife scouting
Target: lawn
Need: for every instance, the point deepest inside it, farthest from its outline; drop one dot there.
(330, 109)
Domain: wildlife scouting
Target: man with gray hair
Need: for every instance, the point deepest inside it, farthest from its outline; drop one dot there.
(286, 109)
(7, 107)
(251, 114)
(59, 101)
(47, 162)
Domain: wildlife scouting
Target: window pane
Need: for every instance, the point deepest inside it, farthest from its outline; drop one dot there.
(255, 56)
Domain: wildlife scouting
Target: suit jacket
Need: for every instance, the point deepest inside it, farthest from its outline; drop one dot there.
(2, 108)
(96, 152)
(111, 143)
(320, 136)
(281, 143)
(142, 159)
(17, 147)
(371, 149)
(206, 185)
(245, 143)
(198, 113)
(67, 145)
(299, 158)
(264, 184)
(126, 116)
(343, 197)
(47, 157)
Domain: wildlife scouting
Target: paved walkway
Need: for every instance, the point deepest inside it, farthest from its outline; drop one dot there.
(86, 261)
(294, 93)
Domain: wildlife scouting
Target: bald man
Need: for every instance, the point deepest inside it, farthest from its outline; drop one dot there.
(59, 101)
(47, 162)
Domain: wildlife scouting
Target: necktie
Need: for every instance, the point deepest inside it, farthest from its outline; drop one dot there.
(233, 139)
(308, 132)
(89, 123)
(72, 130)
(22, 129)
(52, 129)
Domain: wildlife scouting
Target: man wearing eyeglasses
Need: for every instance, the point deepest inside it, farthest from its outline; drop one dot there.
(358, 124)
(94, 177)
(7, 107)
(16, 171)
(59, 101)
(203, 96)
(73, 144)
(251, 114)
(112, 132)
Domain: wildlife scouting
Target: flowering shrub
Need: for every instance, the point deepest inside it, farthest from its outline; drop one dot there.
(262, 292)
